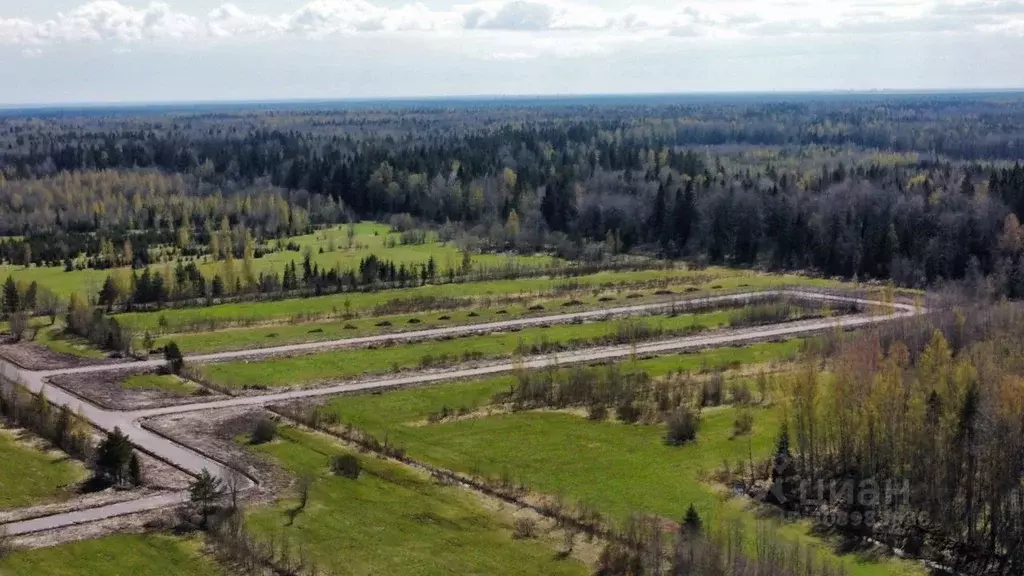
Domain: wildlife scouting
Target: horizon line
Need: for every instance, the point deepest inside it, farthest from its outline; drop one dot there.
(102, 104)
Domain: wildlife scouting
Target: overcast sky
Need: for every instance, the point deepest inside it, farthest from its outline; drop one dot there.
(74, 51)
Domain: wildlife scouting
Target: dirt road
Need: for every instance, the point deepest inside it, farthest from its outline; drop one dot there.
(194, 462)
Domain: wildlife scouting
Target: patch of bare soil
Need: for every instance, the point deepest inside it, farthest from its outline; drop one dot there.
(214, 433)
(32, 356)
(104, 389)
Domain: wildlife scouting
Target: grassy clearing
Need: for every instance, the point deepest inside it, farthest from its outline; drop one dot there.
(618, 468)
(168, 383)
(713, 280)
(341, 364)
(29, 476)
(118, 555)
(393, 521)
(371, 238)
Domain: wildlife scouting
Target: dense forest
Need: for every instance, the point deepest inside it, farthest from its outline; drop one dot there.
(912, 188)
(917, 441)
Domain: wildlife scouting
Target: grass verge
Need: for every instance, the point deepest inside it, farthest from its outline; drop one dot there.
(118, 555)
(29, 476)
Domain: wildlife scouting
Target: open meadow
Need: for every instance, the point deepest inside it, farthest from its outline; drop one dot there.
(391, 520)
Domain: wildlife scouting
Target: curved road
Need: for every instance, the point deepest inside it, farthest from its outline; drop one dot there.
(194, 462)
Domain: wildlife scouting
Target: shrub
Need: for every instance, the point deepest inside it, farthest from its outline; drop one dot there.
(346, 465)
(743, 424)
(524, 529)
(682, 427)
(740, 392)
(17, 324)
(264, 431)
(711, 391)
(627, 412)
(692, 522)
(597, 412)
(175, 360)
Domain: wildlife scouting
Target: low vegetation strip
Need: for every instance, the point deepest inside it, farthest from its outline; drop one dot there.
(340, 364)
(118, 555)
(168, 383)
(222, 315)
(769, 308)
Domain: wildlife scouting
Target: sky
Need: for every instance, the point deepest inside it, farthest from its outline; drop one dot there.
(91, 51)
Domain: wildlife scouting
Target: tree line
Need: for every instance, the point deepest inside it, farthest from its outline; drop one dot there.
(916, 439)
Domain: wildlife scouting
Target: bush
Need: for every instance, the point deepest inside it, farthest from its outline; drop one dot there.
(346, 465)
(597, 412)
(175, 360)
(743, 424)
(711, 391)
(627, 412)
(740, 392)
(524, 529)
(682, 427)
(264, 431)
(17, 325)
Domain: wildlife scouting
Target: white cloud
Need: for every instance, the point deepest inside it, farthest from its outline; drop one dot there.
(100, 21)
(229, 20)
(110, 21)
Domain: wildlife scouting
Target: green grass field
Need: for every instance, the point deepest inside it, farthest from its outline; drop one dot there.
(29, 476)
(371, 238)
(712, 280)
(118, 555)
(277, 334)
(168, 383)
(618, 468)
(290, 333)
(340, 364)
(393, 521)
